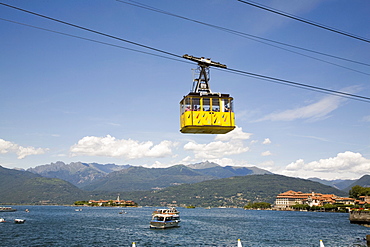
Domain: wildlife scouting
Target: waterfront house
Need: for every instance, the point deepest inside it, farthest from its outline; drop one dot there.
(286, 200)
(363, 200)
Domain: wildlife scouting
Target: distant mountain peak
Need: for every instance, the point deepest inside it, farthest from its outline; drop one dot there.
(203, 165)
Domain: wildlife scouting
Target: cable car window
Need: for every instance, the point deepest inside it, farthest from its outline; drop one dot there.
(206, 104)
(215, 105)
(195, 104)
(225, 105)
(187, 103)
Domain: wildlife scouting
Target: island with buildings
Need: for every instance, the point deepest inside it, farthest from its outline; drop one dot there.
(107, 203)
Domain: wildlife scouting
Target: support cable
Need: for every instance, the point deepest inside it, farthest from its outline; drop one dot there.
(242, 34)
(305, 21)
(255, 38)
(90, 30)
(96, 41)
(269, 78)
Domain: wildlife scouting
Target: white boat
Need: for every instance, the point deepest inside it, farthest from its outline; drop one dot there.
(2, 220)
(7, 209)
(165, 218)
(19, 221)
(171, 210)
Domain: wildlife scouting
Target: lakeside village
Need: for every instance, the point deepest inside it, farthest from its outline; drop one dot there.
(288, 201)
(107, 203)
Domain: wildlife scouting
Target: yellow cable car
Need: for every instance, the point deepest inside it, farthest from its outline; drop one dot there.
(204, 112)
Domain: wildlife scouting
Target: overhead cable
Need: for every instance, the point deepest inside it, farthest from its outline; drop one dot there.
(97, 41)
(253, 37)
(305, 21)
(277, 80)
(301, 85)
(90, 30)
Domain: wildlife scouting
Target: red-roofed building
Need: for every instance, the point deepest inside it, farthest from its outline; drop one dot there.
(286, 200)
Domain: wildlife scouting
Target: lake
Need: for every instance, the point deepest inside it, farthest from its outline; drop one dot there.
(97, 226)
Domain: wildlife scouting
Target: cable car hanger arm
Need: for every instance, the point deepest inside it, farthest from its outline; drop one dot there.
(204, 61)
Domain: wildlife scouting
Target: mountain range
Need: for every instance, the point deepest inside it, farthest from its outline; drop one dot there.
(77, 173)
(203, 183)
(110, 177)
(337, 183)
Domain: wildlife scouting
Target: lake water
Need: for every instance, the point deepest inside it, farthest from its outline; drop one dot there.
(63, 226)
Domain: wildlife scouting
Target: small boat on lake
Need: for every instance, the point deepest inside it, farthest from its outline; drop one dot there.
(2, 220)
(19, 221)
(7, 209)
(165, 218)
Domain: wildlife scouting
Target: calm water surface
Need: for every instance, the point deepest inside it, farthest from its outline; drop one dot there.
(63, 226)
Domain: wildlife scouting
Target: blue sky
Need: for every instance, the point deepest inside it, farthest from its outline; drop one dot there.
(68, 99)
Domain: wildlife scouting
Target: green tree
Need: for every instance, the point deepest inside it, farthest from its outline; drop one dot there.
(357, 191)
(81, 202)
(301, 207)
(256, 205)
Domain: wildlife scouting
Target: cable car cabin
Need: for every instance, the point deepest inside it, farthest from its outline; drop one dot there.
(204, 112)
(207, 114)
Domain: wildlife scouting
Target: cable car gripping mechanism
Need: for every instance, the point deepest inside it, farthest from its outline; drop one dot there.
(204, 61)
(201, 82)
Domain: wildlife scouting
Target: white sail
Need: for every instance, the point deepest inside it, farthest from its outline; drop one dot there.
(321, 244)
(240, 243)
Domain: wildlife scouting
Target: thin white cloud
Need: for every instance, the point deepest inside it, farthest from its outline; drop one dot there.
(276, 21)
(216, 149)
(315, 111)
(22, 152)
(236, 134)
(266, 141)
(109, 146)
(344, 165)
(223, 162)
(228, 144)
(266, 153)
(366, 118)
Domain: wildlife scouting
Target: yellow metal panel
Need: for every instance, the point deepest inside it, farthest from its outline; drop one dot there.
(194, 121)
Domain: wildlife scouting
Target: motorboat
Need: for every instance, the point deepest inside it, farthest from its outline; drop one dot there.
(7, 209)
(2, 220)
(161, 221)
(19, 221)
(165, 218)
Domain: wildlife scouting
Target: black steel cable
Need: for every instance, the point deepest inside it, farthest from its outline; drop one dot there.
(90, 30)
(305, 21)
(96, 41)
(353, 96)
(298, 85)
(242, 34)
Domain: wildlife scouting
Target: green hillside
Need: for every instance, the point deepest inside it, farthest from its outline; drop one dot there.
(22, 187)
(235, 191)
